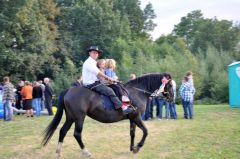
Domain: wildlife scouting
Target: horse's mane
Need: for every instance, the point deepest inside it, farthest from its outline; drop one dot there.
(148, 82)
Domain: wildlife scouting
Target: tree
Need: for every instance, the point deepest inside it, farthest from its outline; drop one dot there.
(200, 32)
(91, 23)
(29, 36)
(133, 11)
(148, 16)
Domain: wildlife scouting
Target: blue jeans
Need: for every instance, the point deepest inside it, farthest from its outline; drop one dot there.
(184, 110)
(37, 105)
(160, 103)
(42, 104)
(8, 111)
(189, 109)
(154, 102)
(173, 112)
(146, 114)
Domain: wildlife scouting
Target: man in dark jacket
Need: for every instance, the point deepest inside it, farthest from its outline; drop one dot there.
(48, 93)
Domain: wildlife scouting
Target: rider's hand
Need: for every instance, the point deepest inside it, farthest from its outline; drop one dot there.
(111, 79)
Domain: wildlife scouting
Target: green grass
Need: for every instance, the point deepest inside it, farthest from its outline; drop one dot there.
(213, 133)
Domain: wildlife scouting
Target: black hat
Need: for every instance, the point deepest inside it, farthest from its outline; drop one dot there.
(94, 48)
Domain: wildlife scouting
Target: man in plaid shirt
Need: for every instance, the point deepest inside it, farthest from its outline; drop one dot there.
(187, 92)
(8, 99)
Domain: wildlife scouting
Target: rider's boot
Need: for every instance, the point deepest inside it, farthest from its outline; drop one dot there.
(126, 109)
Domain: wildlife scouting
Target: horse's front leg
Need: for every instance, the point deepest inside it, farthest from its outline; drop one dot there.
(132, 134)
(138, 121)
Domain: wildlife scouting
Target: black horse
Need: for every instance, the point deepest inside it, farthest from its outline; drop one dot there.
(80, 101)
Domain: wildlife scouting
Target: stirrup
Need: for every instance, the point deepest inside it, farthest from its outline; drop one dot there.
(131, 106)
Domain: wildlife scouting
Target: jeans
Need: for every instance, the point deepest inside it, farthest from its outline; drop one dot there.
(185, 115)
(189, 109)
(152, 103)
(146, 114)
(37, 105)
(8, 111)
(42, 104)
(173, 112)
(160, 103)
(105, 90)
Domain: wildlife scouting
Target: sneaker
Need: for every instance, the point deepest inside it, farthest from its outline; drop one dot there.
(125, 99)
(127, 110)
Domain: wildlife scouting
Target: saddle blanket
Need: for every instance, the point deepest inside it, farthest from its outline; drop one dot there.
(107, 103)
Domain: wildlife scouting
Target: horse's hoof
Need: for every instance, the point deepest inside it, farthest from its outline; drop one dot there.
(58, 156)
(86, 153)
(135, 149)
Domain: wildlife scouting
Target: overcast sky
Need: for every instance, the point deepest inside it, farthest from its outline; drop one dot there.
(169, 12)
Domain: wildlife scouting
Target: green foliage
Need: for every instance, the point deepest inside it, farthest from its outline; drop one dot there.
(148, 16)
(40, 38)
(28, 40)
(214, 73)
(200, 32)
(132, 10)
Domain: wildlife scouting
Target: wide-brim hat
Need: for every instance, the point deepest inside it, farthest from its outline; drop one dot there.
(94, 48)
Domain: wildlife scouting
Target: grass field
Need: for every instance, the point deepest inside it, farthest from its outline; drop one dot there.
(213, 133)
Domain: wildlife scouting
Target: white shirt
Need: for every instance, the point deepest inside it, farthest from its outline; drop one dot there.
(90, 71)
(174, 86)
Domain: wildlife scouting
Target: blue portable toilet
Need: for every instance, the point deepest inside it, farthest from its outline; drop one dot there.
(234, 84)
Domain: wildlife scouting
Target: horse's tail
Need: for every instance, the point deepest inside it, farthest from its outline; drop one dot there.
(48, 132)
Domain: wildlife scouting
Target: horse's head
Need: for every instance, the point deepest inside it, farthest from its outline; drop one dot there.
(150, 82)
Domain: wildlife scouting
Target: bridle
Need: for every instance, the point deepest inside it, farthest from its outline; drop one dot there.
(141, 90)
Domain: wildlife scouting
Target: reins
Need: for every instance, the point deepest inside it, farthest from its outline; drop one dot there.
(141, 90)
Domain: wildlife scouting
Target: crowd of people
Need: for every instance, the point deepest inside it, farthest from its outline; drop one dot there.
(186, 94)
(100, 76)
(26, 98)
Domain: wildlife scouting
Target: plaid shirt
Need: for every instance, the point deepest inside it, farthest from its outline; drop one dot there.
(187, 91)
(8, 92)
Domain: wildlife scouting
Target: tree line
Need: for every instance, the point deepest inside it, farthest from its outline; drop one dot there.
(40, 38)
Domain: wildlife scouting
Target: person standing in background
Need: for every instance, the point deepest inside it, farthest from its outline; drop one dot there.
(78, 82)
(189, 75)
(43, 97)
(26, 93)
(187, 92)
(132, 76)
(48, 93)
(8, 99)
(19, 96)
(172, 105)
(37, 97)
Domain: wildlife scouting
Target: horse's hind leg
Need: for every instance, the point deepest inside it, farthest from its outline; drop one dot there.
(141, 125)
(67, 125)
(78, 135)
(132, 134)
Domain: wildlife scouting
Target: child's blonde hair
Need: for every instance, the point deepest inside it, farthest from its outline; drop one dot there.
(100, 61)
(111, 63)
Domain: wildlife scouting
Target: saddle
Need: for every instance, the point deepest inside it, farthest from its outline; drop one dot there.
(106, 101)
